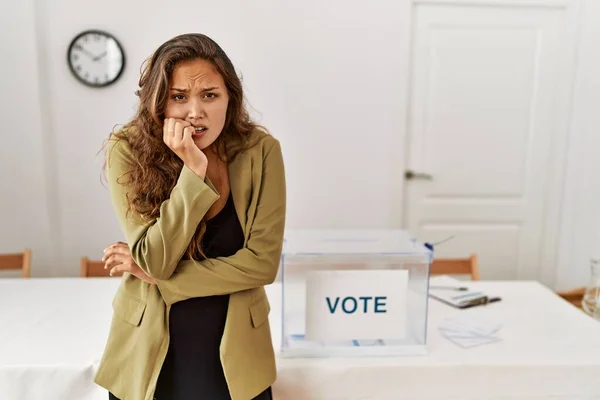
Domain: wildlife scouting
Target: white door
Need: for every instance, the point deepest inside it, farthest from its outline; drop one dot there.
(488, 114)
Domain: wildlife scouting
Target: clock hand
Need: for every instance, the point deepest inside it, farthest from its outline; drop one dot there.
(100, 56)
(87, 52)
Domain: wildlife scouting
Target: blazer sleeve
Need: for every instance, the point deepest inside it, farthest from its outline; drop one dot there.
(253, 266)
(158, 245)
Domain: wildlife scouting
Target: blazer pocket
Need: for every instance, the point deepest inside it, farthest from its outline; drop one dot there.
(259, 311)
(129, 308)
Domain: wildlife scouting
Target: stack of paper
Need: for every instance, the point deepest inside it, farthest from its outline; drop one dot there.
(454, 292)
(470, 331)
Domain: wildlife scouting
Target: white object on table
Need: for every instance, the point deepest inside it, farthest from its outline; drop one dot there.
(452, 292)
(468, 331)
(53, 331)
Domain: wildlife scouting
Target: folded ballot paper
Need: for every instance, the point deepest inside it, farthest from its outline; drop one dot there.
(467, 329)
(470, 330)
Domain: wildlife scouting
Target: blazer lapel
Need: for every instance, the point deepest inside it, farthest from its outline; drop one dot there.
(240, 181)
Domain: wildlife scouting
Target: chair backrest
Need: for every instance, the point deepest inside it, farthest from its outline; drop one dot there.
(16, 261)
(573, 296)
(94, 269)
(456, 266)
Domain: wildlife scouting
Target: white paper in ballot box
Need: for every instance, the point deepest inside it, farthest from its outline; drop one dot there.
(354, 305)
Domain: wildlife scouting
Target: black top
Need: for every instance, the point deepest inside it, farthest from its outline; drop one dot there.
(192, 368)
(224, 235)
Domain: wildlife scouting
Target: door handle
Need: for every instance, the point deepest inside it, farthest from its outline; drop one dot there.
(409, 175)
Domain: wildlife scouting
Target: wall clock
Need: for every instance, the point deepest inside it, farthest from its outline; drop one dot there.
(96, 58)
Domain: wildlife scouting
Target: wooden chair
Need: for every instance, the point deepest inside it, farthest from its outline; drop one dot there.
(16, 261)
(573, 296)
(94, 269)
(456, 266)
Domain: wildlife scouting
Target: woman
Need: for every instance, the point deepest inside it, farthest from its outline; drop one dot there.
(199, 191)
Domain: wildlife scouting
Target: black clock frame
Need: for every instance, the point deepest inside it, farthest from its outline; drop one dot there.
(99, 32)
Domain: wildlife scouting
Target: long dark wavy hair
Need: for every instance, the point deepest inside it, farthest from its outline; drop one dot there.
(154, 168)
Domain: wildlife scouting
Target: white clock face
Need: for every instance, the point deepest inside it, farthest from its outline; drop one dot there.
(96, 58)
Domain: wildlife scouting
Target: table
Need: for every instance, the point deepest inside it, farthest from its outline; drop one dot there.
(549, 350)
(53, 331)
(52, 334)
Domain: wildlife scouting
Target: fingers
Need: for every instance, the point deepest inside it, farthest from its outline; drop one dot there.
(122, 268)
(119, 266)
(116, 259)
(117, 248)
(118, 269)
(188, 132)
(173, 132)
(179, 128)
(168, 130)
(117, 244)
(116, 254)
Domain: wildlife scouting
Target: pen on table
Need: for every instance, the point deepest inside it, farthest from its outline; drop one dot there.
(457, 288)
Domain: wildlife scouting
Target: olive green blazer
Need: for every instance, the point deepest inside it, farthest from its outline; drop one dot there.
(139, 332)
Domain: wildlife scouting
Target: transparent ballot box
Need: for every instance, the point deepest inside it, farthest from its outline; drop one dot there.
(354, 292)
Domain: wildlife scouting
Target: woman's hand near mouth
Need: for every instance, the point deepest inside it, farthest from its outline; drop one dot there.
(177, 135)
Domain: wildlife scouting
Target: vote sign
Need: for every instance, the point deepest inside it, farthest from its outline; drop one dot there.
(357, 304)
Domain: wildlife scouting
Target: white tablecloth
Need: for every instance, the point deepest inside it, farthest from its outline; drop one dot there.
(52, 333)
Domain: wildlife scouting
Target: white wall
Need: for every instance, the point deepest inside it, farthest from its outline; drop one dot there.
(325, 77)
(25, 219)
(320, 76)
(581, 213)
